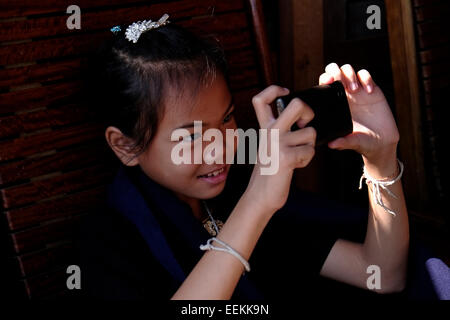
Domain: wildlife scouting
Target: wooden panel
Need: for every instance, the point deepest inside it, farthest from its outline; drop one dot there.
(435, 69)
(302, 61)
(437, 83)
(39, 237)
(43, 118)
(242, 58)
(47, 259)
(430, 27)
(434, 54)
(286, 52)
(19, 8)
(260, 34)
(46, 284)
(48, 140)
(56, 25)
(441, 9)
(50, 48)
(38, 97)
(80, 43)
(43, 72)
(244, 79)
(56, 185)
(54, 161)
(434, 41)
(308, 43)
(424, 2)
(58, 208)
(245, 114)
(243, 98)
(430, 34)
(407, 100)
(192, 8)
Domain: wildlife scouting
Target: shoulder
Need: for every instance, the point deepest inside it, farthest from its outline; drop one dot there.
(115, 261)
(107, 226)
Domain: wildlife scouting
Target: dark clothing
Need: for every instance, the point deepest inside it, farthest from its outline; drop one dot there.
(147, 241)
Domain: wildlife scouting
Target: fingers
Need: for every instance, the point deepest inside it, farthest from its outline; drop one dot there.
(351, 80)
(345, 74)
(296, 112)
(366, 80)
(302, 156)
(301, 137)
(325, 78)
(261, 102)
(333, 70)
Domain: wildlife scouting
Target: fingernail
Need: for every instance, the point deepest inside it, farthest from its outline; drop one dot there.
(354, 86)
(369, 88)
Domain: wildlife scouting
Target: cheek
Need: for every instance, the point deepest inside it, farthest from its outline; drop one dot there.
(159, 165)
(183, 171)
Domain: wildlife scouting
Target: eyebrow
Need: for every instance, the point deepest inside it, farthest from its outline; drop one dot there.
(190, 125)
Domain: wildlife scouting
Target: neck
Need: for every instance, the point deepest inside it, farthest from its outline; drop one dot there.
(196, 206)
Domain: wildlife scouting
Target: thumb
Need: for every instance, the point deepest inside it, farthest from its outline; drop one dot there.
(353, 141)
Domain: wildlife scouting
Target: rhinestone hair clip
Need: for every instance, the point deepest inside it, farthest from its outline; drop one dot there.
(134, 30)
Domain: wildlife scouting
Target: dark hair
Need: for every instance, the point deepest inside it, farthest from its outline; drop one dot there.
(128, 83)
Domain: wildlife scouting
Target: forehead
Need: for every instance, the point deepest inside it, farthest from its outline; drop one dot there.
(209, 103)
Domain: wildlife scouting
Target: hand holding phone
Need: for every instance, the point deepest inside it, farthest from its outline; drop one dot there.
(332, 117)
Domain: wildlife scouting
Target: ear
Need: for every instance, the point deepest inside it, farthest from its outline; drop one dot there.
(121, 145)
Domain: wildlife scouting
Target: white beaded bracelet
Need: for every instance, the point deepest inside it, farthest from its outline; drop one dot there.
(377, 184)
(228, 249)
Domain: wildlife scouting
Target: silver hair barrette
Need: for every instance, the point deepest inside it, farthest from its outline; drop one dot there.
(135, 29)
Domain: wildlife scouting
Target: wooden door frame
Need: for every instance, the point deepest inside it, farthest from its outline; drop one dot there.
(300, 62)
(405, 71)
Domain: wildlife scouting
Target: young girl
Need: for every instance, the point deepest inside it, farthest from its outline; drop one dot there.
(270, 241)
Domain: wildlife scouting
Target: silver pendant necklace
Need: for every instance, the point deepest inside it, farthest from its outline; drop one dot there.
(211, 222)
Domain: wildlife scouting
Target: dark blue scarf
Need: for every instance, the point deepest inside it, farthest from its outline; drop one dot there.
(125, 196)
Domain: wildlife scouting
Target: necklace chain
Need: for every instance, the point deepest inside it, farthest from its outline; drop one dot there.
(211, 217)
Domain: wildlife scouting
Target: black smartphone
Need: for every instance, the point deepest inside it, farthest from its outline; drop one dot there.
(332, 117)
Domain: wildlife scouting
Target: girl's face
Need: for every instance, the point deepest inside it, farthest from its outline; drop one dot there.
(214, 107)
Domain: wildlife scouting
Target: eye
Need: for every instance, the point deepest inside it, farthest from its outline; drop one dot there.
(228, 117)
(191, 137)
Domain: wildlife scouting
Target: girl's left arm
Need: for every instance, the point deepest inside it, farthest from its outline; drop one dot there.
(375, 136)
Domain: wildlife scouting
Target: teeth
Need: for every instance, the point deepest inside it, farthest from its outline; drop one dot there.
(215, 173)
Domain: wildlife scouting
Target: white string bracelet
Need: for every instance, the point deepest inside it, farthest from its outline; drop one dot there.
(377, 184)
(228, 249)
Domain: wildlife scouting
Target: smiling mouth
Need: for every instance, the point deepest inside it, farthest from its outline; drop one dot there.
(213, 173)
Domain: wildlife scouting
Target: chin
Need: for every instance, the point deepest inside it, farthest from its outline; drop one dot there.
(212, 192)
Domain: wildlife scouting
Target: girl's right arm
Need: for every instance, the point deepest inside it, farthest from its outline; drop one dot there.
(217, 274)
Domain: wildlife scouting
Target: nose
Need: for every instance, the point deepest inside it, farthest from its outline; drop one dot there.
(230, 141)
